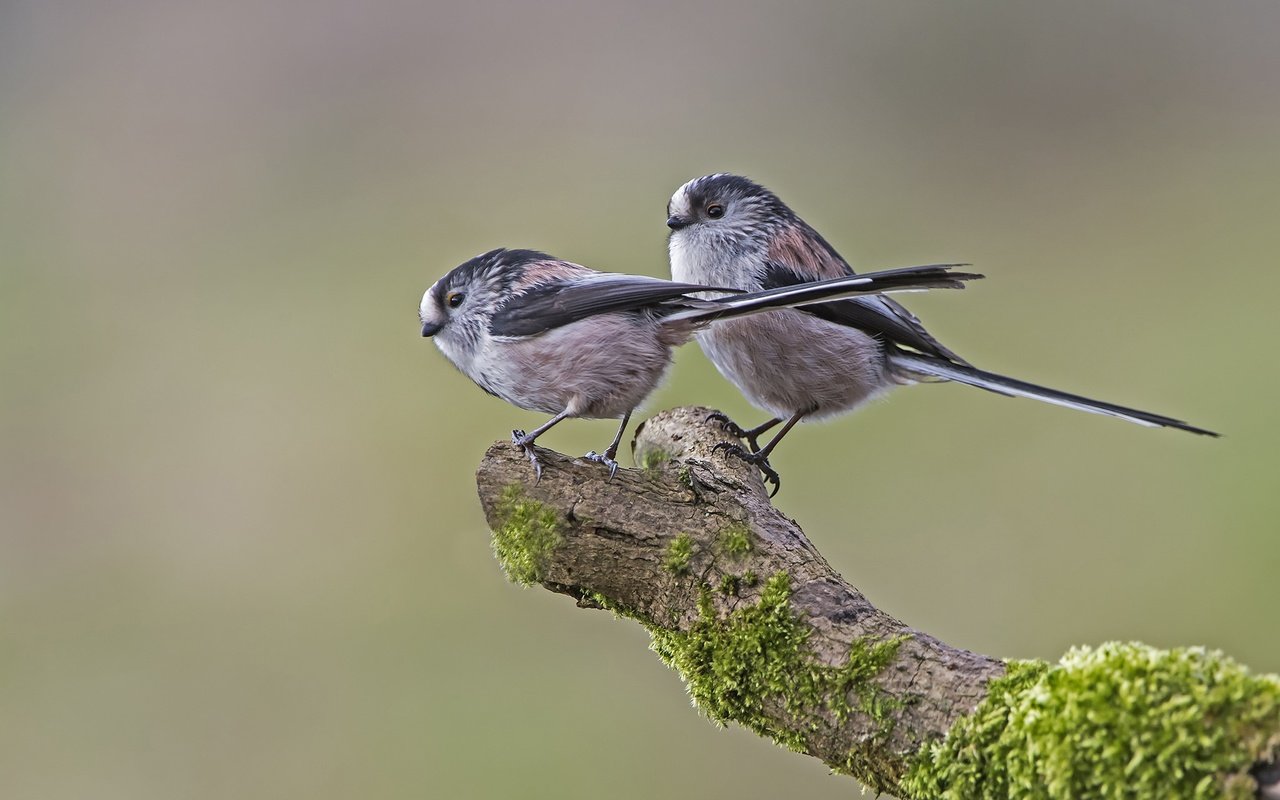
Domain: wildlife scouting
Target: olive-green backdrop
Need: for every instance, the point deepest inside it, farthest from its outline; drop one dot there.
(240, 553)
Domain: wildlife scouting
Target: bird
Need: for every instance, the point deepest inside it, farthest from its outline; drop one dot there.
(824, 359)
(550, 335)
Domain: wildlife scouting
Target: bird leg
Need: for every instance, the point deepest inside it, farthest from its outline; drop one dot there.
(611, 450)
(761, 456)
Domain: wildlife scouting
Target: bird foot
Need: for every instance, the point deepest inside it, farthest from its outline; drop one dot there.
(605, 459)
(750, 436)
(525, 442)
(761, 463)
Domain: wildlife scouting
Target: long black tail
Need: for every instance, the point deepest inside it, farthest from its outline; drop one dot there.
(938, 368)
(903, 279)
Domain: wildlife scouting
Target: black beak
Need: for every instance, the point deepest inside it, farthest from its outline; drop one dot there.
(676, 222)
(431, 328)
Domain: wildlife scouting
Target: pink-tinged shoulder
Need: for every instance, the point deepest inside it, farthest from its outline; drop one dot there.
(543, 271)
(796, 248)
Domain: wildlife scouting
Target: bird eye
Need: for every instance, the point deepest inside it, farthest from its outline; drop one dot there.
(715, 211)
(454, 299)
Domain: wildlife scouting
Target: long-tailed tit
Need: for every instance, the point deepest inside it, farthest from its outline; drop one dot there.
(824, 359)
(552, 336)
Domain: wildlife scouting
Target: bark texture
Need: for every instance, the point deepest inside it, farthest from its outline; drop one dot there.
(691, 541)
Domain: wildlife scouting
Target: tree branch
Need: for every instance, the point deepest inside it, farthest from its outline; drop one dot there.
(766, 634)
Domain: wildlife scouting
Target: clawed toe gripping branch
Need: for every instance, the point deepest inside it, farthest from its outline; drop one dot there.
(766, 635)
(756, 455)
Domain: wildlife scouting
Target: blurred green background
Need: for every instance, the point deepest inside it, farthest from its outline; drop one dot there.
(240, 554)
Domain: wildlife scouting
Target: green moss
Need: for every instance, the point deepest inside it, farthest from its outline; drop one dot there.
(1121, 720)
(679, 553)
(754, 666)
(729, 585)
(685, 476)
(526, 534)
(749, 578)
(735, 541)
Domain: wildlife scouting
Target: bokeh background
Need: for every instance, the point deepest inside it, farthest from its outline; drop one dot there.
(240, 554)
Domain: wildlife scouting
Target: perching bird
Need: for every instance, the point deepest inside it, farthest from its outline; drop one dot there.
(552, 336)
(820, 360)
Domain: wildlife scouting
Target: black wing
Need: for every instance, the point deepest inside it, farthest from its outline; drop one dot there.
(559, 303)
(879, 316)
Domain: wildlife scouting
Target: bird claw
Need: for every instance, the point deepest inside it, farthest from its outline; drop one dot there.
(761, 463)
(521, 439)
(603, 459)
(732, 428)
(751, 437)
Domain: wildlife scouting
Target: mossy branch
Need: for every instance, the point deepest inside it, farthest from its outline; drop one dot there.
(767, 635)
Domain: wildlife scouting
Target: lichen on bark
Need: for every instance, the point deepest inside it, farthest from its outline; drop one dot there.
(748, 665)
(525, 535)
(1116, 721)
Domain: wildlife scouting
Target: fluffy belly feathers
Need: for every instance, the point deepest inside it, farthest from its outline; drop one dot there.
(788, 361)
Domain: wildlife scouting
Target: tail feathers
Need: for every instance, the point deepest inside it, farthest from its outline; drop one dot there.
(937, 368)
(903, 279)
